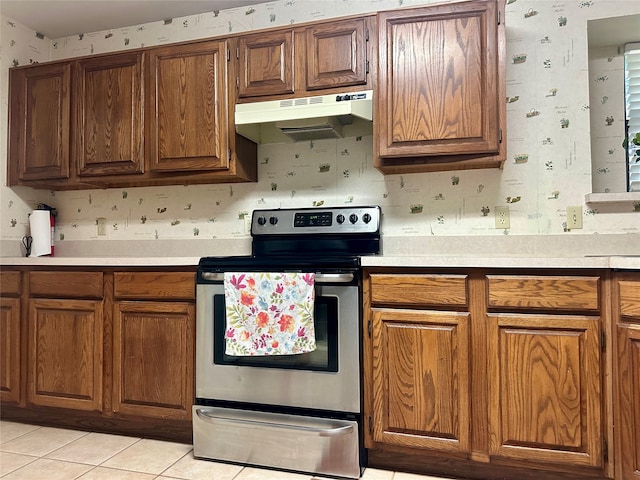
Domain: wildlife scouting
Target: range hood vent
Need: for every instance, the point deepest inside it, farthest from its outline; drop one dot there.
(305, 119)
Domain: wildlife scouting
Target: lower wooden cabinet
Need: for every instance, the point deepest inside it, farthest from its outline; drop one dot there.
(482, 373)
(421, 389)
(113, 349)
(10, 336)
(626, 313)
(65, 353)
(153, 358)
(545, 389)
(153, 340)
(65, 350)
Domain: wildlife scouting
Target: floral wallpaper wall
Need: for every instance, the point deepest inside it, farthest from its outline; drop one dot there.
(548, 141)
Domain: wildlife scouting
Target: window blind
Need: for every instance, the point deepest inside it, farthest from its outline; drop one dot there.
(632, 101)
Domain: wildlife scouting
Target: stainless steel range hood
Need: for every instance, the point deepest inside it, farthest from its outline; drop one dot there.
(305, 119)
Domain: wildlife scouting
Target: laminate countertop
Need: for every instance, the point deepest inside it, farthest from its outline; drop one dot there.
(558, 251)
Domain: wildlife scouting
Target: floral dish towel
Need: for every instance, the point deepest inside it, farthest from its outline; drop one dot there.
(269, 313)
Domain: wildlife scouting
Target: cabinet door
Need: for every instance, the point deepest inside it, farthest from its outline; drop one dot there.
(336, 54)
(65, 353)
(39, 120)
(153, 359)
(628, 407)
(10, 350)
(544, 388)
(439, 87)
(265, 64)
(421, 379)
(187, 108)
(108, 115)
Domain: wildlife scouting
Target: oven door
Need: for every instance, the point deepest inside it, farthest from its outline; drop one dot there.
(325, 379)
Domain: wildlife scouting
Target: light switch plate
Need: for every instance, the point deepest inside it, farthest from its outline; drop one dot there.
(502, 217)
(574, 218)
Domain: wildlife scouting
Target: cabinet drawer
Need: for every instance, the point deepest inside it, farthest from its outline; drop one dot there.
(419, 289)
(157, 285)
(542, 292)
(66, 284)
(10, 283)
(629, 298)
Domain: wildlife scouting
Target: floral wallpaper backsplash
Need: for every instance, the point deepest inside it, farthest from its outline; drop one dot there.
(548, 165)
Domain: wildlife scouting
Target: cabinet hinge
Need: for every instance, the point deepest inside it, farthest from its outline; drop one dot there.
(605, 450)
(370, 424)
(369, 327)
(499, 19)
(229, 154)
(366, 66)
(238, 52)
(366, 34)
(603, 341)
(499, 135)
(228, 55)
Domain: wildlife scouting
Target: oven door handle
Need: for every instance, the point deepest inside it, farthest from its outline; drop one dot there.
(319, 278)
(322, 432)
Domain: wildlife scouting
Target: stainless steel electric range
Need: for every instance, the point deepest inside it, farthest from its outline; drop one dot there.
(300, 412)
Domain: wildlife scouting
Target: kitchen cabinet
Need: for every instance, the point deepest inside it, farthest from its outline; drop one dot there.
(10, 336)
(186, 124)
(302, 61)
(39, 123)
(440, 88)
(108, 347)
(109, 115)
(479, 373)
(153, 336)
(155, 116)
(545, 377)
(65, 350)
(420, 361)
(626, 315)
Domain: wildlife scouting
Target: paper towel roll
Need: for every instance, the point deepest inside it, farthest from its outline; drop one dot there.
(40, 224)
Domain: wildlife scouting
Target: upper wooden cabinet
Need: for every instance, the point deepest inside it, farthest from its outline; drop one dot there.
(187, 108)
(266, 64)
(155, 116)
(39, 123)
(305, 60)
(337, 54)
(440, 90)
(109, 115)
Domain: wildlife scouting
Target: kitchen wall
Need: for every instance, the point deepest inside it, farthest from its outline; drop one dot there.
(548, 163)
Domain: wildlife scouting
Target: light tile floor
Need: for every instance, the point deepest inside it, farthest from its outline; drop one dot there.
(31, 452)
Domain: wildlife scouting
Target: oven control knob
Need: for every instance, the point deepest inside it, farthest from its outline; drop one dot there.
(366, 218)
(273, 220)
(262, 221)
(353, 218)
(340, 218)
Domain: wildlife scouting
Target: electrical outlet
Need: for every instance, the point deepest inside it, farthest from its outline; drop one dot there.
(502, 217)
(101, 224)
(574, 218)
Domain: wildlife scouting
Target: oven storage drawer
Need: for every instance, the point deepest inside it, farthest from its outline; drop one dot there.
(309, 444)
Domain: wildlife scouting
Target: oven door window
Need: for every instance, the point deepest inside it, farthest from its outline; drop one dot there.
(324, 358)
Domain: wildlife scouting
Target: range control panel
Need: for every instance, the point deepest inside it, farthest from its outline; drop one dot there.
(308, 221)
